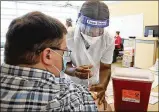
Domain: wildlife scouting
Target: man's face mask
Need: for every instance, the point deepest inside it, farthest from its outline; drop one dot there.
(64, 62)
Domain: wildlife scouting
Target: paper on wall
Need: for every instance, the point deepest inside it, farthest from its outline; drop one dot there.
(153, 100)
(110, 85)
(155, 82)
(109, 93)
(110, 100)
(154, 94)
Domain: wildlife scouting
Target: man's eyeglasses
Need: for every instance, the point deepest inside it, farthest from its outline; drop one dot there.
(67, 52)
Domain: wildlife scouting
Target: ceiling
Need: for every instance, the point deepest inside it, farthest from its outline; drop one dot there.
(68, 3)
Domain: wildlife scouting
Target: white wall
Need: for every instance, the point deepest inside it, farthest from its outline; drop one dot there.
(13, 9)
(130, 25)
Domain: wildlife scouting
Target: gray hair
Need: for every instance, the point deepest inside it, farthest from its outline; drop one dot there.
(95, 10)
(69, 22)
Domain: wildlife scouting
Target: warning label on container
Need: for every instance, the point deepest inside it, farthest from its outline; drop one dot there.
(131, 96)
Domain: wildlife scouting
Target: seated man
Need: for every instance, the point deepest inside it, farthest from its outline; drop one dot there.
(30, 77)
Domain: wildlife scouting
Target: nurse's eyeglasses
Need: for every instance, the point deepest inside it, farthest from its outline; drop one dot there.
(67, 52)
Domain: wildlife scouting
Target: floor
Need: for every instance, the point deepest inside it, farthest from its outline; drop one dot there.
(116, 64)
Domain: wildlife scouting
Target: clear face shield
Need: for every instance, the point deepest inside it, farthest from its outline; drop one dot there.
(92, 27)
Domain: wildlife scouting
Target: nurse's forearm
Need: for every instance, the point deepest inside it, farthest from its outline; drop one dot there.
(105, 73)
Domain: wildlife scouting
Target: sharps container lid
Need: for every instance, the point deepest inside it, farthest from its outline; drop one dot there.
(133, 74)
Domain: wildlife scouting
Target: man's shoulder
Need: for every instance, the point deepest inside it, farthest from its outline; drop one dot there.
(73, 97)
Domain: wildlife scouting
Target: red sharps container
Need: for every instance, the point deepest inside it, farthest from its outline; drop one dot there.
(131, 89)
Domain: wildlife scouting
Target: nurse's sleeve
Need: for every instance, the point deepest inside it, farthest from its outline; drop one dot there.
(107, 56)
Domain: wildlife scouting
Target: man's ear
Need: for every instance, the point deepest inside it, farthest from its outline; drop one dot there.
(46, 56)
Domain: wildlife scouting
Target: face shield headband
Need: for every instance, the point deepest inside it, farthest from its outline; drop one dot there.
(92, 22)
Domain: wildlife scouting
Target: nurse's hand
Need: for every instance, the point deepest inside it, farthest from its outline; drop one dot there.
(101, 107)
(100, 89)
(82, 72)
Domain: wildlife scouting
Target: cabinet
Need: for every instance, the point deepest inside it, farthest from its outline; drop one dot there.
(145, 52)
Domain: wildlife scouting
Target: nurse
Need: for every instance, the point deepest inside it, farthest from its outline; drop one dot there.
(92, 48)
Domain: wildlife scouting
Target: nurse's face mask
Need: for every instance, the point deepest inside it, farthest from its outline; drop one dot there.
(92, 30)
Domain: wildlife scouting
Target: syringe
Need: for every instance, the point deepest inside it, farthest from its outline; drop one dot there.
(88, 78)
